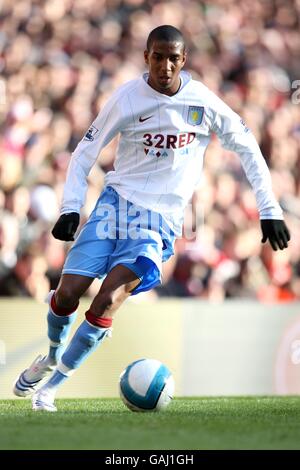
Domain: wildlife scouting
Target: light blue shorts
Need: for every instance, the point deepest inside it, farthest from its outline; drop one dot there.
(119, 232)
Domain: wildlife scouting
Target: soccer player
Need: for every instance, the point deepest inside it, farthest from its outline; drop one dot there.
(165, 120)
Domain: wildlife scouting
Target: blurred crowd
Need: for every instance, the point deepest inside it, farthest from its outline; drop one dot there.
(59, 62)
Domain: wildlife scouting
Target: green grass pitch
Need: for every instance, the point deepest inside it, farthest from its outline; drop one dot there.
(188, 423)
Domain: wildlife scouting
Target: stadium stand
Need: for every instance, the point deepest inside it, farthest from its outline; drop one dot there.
(61, 59)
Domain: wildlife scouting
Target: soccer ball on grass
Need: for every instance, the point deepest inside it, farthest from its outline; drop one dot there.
(146, 385)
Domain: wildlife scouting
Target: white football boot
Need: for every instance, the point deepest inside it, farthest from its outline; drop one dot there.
(30, 379)
(43, 400)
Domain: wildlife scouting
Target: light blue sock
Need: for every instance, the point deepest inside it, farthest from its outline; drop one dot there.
(86, 339)
(56, 379)
(58, 330)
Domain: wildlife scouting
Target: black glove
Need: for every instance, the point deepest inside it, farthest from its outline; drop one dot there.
(66, 226)
(277, 233)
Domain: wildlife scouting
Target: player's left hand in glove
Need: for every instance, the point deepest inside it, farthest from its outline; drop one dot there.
(66, 226)
(276, 232)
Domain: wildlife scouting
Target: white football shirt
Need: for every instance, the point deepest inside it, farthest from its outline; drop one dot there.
(161, 148)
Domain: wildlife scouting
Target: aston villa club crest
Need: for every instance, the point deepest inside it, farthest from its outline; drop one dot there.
(195, 115)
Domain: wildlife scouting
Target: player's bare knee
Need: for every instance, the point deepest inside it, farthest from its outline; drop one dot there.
(130, 286)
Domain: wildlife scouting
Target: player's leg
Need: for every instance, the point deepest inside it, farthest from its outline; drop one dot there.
(63, 304)
(61, 314)
(115, 289)
(117, 286)
(86, 260)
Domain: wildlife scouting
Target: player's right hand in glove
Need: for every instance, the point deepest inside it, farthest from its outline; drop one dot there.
(66, 226)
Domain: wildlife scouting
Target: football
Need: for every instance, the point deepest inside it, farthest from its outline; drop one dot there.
(146, 385)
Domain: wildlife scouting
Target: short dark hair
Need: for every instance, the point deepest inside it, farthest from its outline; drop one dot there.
(165, 33)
